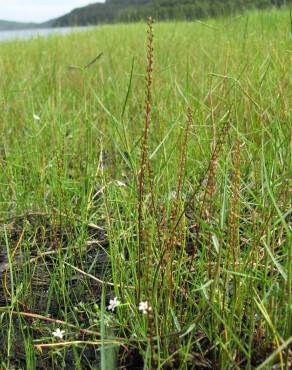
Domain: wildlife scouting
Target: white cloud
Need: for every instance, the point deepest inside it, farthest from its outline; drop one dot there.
(38, 10)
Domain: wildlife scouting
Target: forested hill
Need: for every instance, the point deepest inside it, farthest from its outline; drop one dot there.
(134, 10)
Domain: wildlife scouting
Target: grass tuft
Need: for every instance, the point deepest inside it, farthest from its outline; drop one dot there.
(156, 238)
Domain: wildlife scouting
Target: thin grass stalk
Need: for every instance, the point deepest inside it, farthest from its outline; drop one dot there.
(234, 210)
(153, 208)
(206, 211)
(145, 148)
(174, 213)
(211, 103)
(149, 290)
(233, 223)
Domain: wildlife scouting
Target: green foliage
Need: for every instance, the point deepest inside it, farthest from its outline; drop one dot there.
(218, 274)
(136, 10)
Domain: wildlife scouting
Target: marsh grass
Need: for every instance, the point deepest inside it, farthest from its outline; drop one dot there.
(192, 217)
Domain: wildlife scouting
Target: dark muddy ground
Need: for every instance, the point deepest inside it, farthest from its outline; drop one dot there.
(42, 240)
(35, 242)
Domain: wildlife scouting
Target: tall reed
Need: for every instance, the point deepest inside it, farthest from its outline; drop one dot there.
(145, 149)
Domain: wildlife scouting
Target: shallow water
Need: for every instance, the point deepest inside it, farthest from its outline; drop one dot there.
(37, 32)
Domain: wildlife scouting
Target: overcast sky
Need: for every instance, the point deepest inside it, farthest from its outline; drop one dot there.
(38, 10)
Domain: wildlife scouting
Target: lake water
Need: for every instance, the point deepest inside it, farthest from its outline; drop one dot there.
(37, 32)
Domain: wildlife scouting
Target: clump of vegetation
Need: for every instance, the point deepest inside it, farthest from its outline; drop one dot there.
(147, 238)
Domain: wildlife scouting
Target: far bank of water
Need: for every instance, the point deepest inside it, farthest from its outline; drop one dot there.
(37, 32)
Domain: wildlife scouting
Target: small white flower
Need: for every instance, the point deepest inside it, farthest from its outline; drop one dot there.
(121, 184)
(36, 117)
(113, 304)
(144, 307)
(58, 333)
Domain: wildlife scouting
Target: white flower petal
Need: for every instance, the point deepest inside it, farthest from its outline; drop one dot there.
(120, 183)
(113, 304)
(58, 333)
(144, 307)
(36, 117)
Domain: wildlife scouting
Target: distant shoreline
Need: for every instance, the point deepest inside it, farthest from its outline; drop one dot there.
(26, 34)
